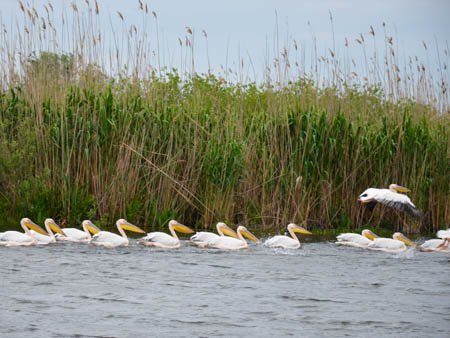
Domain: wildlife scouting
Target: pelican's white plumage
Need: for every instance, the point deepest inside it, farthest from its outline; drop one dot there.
(441, 244)
(356, 240)
(286, 242)
(16, 238)
(392, 197)
(202, 238)
(76, 235)
(230, 243)
(163, 240)
(110, 240)
(50, 226)
(397, 243)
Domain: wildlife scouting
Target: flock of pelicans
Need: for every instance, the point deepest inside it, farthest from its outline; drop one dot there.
(227, 238)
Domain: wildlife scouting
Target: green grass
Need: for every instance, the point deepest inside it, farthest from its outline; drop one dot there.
(76, 143)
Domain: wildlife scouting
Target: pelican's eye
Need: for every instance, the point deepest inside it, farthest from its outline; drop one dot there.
(363, 195)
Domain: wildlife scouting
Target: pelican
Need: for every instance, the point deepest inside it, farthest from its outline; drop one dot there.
(356, 240)
(202, 238)
(397, 243)
(76, 235)
(166, 241)
(50, 226)
(440, 244)
(110, 240)
(230, 243)
(287, 242)
(392, 197)
(16, 238)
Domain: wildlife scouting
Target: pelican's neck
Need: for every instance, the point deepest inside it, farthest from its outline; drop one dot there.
(172, 231)
(239, 234)
(25, 229)
(50, 232)
(121, 231)
(85, 229)
(219, 230)
(293, 235)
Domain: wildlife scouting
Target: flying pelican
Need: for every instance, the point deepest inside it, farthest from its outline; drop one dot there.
(356, 240)
(76, 235)
(230, 243)
(16, 238)
(397, 243)
(202, 238)
(287, 242)
(163, 240)
(391, 197)
(50, 226)
(442, 244)
(110, 240)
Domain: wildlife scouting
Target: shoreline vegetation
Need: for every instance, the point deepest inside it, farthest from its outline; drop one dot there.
(79, 141)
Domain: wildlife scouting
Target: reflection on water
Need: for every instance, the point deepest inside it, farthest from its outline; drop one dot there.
(75, 290)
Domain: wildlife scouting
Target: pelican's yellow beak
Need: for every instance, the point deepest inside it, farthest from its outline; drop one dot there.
(406, 240)
(131, 227)
(369, 234)
(182, 228)
(401, 189)
(37, 228)
(226, 230)
(93, 229)
(301, 230)
(250, 236)
(55, 227)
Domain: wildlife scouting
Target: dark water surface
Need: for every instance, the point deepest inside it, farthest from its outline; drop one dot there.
(71, 290)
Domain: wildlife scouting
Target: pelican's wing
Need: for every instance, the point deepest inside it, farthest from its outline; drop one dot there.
(160, 237)
(282, 241)
(106, 237)
(204, 236)
(74, 234)
(353, 239)
(42, 239)
(400, 202)
(432, 244)
(386, 243)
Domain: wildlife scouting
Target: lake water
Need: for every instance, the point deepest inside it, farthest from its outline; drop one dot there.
(71, 290)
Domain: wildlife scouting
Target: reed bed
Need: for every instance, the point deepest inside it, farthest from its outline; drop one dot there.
(102, 131)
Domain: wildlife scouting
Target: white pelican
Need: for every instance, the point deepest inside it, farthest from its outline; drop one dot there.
(287, 242)
(50, 226)
(230, 243)
(397, 243)
(441, 244)
(202, 238)
(391, 197)
(110, 240)
(76, 235)
(16, 238)
(356, 240)
(163, 240)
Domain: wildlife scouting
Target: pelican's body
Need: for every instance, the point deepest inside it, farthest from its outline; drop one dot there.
(397, 243)
(287, 242)
(441, 244)
(16, 238)
(50, 226)
(392, 197)
(202, 238)
(230, 243)
(356, 240)
(164, 240)
(76, 235)
(111, 240)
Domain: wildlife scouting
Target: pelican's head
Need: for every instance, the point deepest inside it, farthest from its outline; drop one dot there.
(299, 229)
(400, 237)
(246, 233)
(49, 222)
(93, 229)
(180, 227)
(125, 225)
(368, 234)
(368, 195)
(226, 230)
(28, 223)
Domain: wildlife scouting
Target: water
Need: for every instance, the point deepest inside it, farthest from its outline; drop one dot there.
(321, 290)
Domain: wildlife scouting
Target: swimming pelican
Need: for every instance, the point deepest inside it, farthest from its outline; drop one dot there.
(202, 238)
(50, 226)
(441, 244)
(230, 243)
(110, 240)
(287, 242)
(76, 235)
(356, 240)
(397, 243)
(391, 197)
(16, 238)
(163, 240)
